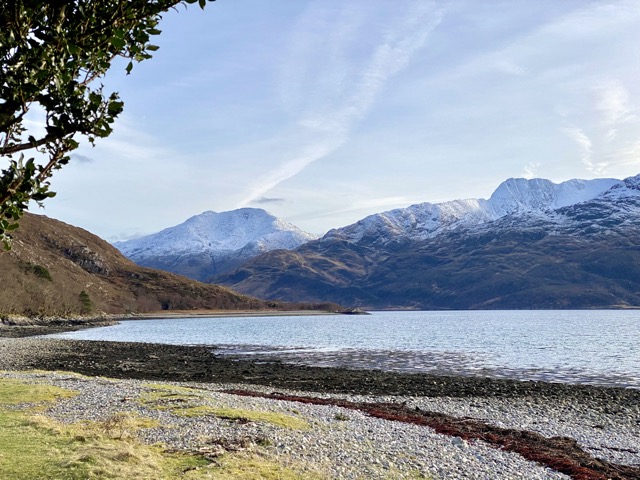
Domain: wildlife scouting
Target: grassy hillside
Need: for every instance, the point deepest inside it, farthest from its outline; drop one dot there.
(55, 269)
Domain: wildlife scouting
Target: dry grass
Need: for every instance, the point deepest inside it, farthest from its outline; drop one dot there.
(190, 402)
(31, 444)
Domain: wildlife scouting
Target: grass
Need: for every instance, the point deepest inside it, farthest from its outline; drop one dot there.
(243, 415)
(187, 402)
(30, 446)
(14, 392)
(33, 446)
(253, 467)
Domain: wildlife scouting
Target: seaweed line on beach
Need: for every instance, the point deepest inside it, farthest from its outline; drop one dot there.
(562, 454)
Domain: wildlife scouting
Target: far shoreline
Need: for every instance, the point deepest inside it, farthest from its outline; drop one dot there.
(17, 326)
(172, 314)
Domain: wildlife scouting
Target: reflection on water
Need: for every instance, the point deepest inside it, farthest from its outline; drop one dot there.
(596, 347)
(437, 363)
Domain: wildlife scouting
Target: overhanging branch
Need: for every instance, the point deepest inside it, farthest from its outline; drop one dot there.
(26, 146)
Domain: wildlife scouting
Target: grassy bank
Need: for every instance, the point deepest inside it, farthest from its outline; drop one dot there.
(31, 443)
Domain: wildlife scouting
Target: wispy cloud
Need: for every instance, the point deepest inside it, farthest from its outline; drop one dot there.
(612, 139)
(585, 147)
(384, 203)
(510, 67)
(266, 200)
(129, 141)
(531, 170)
(613, 103)
(81, 158)
(327, 99)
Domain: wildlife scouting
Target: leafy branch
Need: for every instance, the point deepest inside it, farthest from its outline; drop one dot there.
(52, 54)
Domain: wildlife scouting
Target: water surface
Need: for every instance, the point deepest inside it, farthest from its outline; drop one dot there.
(594, 347)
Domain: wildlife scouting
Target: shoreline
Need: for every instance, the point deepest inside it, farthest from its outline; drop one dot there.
(16, 326)
(199, 363)
(227, 314)
(603, 421)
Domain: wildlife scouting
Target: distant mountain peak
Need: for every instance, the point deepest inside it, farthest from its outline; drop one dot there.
(538, 194)
(211, 242)
(514, 196)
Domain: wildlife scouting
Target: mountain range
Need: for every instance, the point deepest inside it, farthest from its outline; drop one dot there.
(532, 244)
(212, 243)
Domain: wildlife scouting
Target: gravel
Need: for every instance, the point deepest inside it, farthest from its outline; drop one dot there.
(344, 444)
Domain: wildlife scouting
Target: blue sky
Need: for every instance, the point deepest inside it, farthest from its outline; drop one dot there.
(323, 112)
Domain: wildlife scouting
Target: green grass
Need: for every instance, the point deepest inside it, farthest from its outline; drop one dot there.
(34, 447)
(278, 419)
(253, 467)
(187, 402)
(14, 392)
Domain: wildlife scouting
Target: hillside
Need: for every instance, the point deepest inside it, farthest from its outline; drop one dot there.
(212, 243)
(569, 255)
(55, 269)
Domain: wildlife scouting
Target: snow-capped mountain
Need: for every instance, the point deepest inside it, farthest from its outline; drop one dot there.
(514, 196)
(533, 244)
(211, 242)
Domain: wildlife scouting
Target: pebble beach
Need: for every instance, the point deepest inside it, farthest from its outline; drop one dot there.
(338, 442)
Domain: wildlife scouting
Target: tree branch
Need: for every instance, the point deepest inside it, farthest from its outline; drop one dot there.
(46, 171)
(26, 146)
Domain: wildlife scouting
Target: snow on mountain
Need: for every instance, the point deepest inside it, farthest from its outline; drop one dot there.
(629, 187)
(515, 196)
(215, 237)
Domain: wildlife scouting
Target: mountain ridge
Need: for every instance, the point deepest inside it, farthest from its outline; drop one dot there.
(515, 195)
(576, 255)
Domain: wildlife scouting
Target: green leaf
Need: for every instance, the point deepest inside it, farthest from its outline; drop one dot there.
(118, 42)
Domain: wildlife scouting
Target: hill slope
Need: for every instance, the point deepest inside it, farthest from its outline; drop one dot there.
(51, 264)
(570, 255)
(213, 243)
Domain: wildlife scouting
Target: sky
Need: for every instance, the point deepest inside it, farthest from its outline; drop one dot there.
(324, 112)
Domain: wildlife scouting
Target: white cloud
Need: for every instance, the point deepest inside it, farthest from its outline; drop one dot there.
(130, 142)
(362, 205)
(291, 167)
(531, 170)
(613, 103)
(510, 67)
(585, 147)
(328, 99)
(612, 143)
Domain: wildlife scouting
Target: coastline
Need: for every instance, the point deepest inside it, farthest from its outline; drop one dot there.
(602, 421)
(170, 314)
(17, 326)
(598, 427)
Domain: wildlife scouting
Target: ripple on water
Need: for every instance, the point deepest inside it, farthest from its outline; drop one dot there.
(438, 363)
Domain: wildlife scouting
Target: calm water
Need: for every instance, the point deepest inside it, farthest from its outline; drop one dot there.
(596, 347)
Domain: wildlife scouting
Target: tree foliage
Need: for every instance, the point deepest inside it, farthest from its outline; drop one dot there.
(52, 57)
